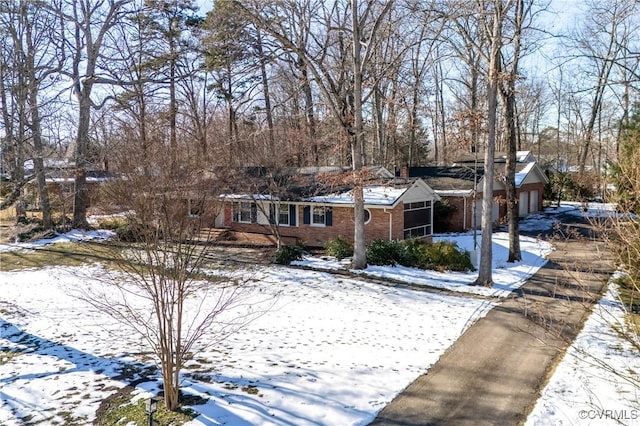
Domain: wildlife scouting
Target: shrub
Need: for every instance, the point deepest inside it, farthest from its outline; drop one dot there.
(385, 252)
(445, 255)
(339, 248)
(125, 232)
(442, 212)
(416, 252)
(287, 254)
(419, 253)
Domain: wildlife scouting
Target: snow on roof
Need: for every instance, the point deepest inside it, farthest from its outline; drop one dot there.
(71, 179)
(454, 192)
(522, 174)
(248, 197)
(373, 195)
(525, 157)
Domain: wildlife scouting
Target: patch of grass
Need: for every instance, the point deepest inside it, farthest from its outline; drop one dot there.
(62, 254)
(630, 297)
(205, 378)
(130, 372)
(251, 390)
(122, 411)
(69, 420)
(7, 355)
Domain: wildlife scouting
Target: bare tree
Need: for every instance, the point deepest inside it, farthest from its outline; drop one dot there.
(87, 24)
(361, 25)
(165, 295)
(13, 95)
(599, 47)
(508, 93)
(494, 12)
(38, 57)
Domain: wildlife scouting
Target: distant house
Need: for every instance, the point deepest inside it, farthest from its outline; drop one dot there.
(60, 182)
(460, 186)
(313, 213)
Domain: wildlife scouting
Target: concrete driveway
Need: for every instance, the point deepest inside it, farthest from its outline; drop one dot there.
(495, 371)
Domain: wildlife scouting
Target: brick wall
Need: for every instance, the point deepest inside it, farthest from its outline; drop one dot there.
(342, 226)
(457, 219)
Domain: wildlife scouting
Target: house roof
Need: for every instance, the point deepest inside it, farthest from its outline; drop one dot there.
(65, 176)
(298, 184)
(448, 178)
(326, 185)
(388, 192)
(499, 157)
(460, 179)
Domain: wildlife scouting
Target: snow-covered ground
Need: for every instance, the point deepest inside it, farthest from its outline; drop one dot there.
(506, 276)
(598, 380)
(332, 351)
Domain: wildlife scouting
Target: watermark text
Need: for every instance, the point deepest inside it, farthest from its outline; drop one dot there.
(609, 414)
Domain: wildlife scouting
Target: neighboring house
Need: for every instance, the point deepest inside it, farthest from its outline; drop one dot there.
(460, 186)
(61, 186)
(395, 208)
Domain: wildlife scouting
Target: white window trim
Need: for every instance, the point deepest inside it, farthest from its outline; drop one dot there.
(319, 225)
(370, 216)
(287, 211)
(240, 210)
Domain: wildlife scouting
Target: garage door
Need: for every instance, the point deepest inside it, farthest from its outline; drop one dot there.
(495, 212)
(533, 201)
(523, 207)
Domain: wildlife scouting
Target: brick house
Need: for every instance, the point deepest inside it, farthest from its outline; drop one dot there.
(460, 186)
(395, 208)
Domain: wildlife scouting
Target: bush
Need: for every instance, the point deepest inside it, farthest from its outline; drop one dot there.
(445, 256)
(385, 252)
(287, 254)
(442, 212)
(416, 252)
(126, 232)
(439, 256)
(339, 248)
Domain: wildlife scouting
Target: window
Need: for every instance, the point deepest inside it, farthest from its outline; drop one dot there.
(417, 219)
(285, 214)
(367, 216)
(318, 216)
(244, 212)
(196, 208)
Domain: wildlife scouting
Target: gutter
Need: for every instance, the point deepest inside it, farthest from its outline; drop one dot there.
(390, 223)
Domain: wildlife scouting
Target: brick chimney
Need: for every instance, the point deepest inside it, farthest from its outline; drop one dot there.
(404, 171)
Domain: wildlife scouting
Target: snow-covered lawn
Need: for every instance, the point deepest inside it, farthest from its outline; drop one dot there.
(332, 351)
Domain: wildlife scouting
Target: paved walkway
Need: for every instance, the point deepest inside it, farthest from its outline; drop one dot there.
(494, 372)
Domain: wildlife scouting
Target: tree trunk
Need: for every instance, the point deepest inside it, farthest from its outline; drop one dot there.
(36, 134)
(265, 91)
(359, 249)
(81, 196)
(512, 198)
(173, 105)
(509, 100)
(485, 277)
(310, 120)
